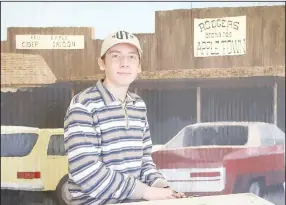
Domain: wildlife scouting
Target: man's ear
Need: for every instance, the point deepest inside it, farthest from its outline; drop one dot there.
(101, 64)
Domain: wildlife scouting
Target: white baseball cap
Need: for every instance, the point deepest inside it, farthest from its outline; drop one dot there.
(120, 37)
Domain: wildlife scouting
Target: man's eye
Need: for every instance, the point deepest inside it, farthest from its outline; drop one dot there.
(114, 56)
(132, 57)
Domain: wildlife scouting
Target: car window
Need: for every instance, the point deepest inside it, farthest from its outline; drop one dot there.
(56, 145)
(18, 144)
(266, 136)
(212, 135)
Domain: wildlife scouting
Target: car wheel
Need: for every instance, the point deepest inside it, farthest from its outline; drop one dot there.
(256, 187)
(61, 191)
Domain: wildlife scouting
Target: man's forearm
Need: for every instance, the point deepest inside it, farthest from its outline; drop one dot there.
(149, 172)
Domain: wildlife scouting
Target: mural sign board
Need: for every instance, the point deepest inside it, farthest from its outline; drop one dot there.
(65, 42)
(220, 36)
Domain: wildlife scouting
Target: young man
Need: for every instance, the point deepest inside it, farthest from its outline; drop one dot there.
(107, 136)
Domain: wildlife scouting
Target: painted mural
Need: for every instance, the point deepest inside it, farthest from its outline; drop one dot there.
(214, 133)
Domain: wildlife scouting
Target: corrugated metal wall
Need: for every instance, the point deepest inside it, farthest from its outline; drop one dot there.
(169, 110)
(43, 107)
(281, 104)
(237, 104)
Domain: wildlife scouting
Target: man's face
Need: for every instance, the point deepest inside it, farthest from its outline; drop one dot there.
(121, 64)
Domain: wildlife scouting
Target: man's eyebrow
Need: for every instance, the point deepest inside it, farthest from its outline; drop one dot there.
(114, 51)
(132, 52)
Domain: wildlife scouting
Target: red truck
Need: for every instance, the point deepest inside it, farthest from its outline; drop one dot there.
(216, 158)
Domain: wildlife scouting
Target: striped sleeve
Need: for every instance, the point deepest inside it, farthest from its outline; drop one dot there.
(83, 147)
(149, 173)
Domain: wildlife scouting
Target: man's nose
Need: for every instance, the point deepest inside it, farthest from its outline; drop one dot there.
(124, 61)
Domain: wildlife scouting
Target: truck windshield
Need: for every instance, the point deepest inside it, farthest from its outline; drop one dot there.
(224, 135)
(215, 135)
(18, 144)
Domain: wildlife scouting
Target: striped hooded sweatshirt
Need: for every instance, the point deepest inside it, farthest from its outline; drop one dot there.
(108, 145)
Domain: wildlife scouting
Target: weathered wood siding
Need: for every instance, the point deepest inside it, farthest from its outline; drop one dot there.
(171, 47)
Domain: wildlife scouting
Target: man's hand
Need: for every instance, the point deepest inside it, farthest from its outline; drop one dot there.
(154, 193)
(179, 195)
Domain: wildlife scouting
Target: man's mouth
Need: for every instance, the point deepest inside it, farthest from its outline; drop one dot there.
(123, 73)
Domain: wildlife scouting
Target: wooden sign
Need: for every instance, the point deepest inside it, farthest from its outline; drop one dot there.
(65, 42)
(220, 36)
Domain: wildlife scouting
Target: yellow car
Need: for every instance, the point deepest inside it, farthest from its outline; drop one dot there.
(33, 159)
